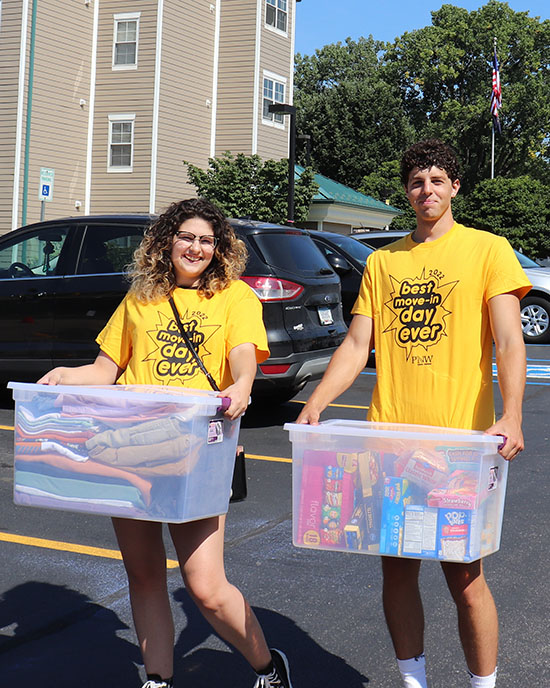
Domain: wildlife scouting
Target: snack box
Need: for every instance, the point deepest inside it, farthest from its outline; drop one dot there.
(140, 451)
(397, 490)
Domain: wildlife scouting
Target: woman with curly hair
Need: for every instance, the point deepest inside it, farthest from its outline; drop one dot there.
(192, 255)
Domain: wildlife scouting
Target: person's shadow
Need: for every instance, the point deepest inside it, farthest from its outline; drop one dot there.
(55, 637)
(203, 667)
(279, 414)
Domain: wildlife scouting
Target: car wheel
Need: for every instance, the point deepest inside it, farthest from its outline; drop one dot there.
(535, 320)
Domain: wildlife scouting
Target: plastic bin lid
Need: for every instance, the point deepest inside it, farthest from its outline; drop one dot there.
(365, 428)
(145, 393)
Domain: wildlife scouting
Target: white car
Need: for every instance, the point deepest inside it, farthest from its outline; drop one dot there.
(535, 307)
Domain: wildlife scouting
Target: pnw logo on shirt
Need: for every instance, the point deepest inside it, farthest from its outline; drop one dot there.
(417, 307)
(171, 358)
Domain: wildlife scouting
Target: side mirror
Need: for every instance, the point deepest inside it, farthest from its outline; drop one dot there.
(339, 264)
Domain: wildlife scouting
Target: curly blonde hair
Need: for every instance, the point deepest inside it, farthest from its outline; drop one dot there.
(151, 273)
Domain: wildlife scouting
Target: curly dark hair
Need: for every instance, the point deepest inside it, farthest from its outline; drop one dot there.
(151, 273)
(430, 153)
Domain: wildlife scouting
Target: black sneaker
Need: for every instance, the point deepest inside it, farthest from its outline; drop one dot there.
(279, 676)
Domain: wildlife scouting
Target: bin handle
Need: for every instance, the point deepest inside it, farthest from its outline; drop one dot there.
(225, 404)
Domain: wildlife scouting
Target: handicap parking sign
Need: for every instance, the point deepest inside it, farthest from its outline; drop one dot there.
(45, 189)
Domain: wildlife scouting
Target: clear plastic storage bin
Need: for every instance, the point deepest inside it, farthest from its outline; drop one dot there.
(397, 490)
(145, 452)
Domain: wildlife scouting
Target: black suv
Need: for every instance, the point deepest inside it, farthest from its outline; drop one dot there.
(61, 280)
(347, 257)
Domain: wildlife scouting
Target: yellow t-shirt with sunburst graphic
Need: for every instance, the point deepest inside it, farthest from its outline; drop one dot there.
(432, 334)
(144, 340)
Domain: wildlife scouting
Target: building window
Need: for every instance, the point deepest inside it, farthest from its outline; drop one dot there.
(121, 143)
(274, 92)
(276, 14)
(125, 41)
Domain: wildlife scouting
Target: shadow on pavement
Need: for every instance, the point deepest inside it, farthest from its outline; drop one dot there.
(6, 398)
(204, 667)
(266, 415)
(54, 637)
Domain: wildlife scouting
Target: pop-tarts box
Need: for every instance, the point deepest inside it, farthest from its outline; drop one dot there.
(456, 534)
(386, 505)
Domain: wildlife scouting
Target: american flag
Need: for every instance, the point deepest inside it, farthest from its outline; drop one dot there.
(496, 94)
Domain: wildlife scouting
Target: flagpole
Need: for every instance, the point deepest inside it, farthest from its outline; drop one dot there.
(493, 124)
(493, 150)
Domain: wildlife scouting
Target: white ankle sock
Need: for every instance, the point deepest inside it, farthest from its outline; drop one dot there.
(483, 681)
(413, 672)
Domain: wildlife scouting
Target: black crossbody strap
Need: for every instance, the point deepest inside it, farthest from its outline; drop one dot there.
(190, 346)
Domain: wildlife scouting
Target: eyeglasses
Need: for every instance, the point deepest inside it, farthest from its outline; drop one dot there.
(206, 241)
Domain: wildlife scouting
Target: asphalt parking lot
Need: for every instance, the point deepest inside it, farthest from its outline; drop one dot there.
(65, 620)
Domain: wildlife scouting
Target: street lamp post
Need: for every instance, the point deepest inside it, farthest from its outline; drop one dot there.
(285, 109)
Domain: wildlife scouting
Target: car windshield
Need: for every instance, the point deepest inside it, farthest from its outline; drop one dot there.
(379, 239)
(292, 251)
(36, 254)
(526, 262)
(352, 246)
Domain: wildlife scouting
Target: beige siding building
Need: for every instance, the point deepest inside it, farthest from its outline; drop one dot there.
(114, 95)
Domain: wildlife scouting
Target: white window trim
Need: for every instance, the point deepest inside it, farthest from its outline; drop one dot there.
(215, 77)
(258, 89)
(91, 111)
(282, 80)
(272, 28)
(126, 16)
(156, 105)
(19, 120)
(121, 118)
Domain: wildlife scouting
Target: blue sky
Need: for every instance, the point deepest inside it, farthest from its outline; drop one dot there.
(319, 22)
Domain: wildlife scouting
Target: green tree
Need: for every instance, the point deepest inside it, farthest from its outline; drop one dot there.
(385, 185)
(517, 208)
(444, 74)
(355, 118)
(247, 186)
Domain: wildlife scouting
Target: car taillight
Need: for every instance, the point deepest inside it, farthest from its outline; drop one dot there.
(275, 369)
(273, 289)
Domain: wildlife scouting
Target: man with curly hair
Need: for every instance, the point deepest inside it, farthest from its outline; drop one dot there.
(434, 367)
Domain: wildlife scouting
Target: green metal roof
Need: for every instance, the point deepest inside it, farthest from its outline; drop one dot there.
(334, 192)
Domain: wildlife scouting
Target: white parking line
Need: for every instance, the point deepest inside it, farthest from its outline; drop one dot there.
(538, 371)
(534, 372)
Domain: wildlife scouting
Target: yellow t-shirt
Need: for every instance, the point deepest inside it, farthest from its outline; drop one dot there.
(432, 334)
(144, 339)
